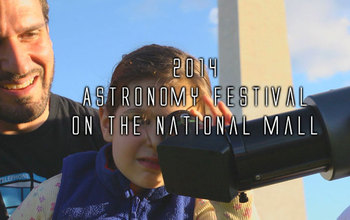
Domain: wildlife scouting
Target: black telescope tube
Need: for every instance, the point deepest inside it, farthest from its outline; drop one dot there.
(312, 139)
(334, 110)
(297, 146)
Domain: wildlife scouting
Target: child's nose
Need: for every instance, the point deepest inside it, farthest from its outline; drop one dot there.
(150, 133)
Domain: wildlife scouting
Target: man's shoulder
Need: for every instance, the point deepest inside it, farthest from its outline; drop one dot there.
(68, 106)
(80, 123)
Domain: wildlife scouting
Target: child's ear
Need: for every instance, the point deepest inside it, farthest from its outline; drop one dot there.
(104, 123)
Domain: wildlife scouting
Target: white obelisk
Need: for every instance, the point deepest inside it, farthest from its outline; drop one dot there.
(253, 51)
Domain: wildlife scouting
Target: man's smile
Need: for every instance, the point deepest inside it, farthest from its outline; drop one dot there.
(22, 87)
(18, 85)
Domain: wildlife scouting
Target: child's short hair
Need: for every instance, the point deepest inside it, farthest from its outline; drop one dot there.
(156, 62)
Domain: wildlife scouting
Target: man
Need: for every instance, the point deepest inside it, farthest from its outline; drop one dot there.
(35, 125)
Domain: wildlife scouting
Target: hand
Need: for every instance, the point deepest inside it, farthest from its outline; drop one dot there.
(220, 110)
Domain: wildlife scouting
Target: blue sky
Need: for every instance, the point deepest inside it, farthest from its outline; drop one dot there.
(90, 37)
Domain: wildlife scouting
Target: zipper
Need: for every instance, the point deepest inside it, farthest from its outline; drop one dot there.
(134, 206)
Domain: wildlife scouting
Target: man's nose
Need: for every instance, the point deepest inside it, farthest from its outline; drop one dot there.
(14, 57)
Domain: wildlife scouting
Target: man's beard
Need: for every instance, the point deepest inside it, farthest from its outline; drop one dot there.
(26, 110)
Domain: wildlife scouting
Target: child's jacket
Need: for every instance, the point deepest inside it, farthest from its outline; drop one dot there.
(90, 190)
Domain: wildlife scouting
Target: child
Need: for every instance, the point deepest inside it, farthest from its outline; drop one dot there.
(123, 180)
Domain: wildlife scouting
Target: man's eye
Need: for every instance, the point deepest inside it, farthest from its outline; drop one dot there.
(30, 35)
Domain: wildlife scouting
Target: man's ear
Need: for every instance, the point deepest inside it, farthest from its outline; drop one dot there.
(104, 123)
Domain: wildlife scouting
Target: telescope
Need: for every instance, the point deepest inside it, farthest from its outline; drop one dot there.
(305, 141)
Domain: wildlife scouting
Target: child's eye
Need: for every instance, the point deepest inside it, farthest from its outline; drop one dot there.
(145, 120)
(142, 119)
(131, 117)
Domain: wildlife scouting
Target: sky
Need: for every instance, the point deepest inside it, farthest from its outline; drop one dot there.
(90, 37)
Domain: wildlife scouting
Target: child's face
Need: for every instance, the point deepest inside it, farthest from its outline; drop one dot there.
(136, 156)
